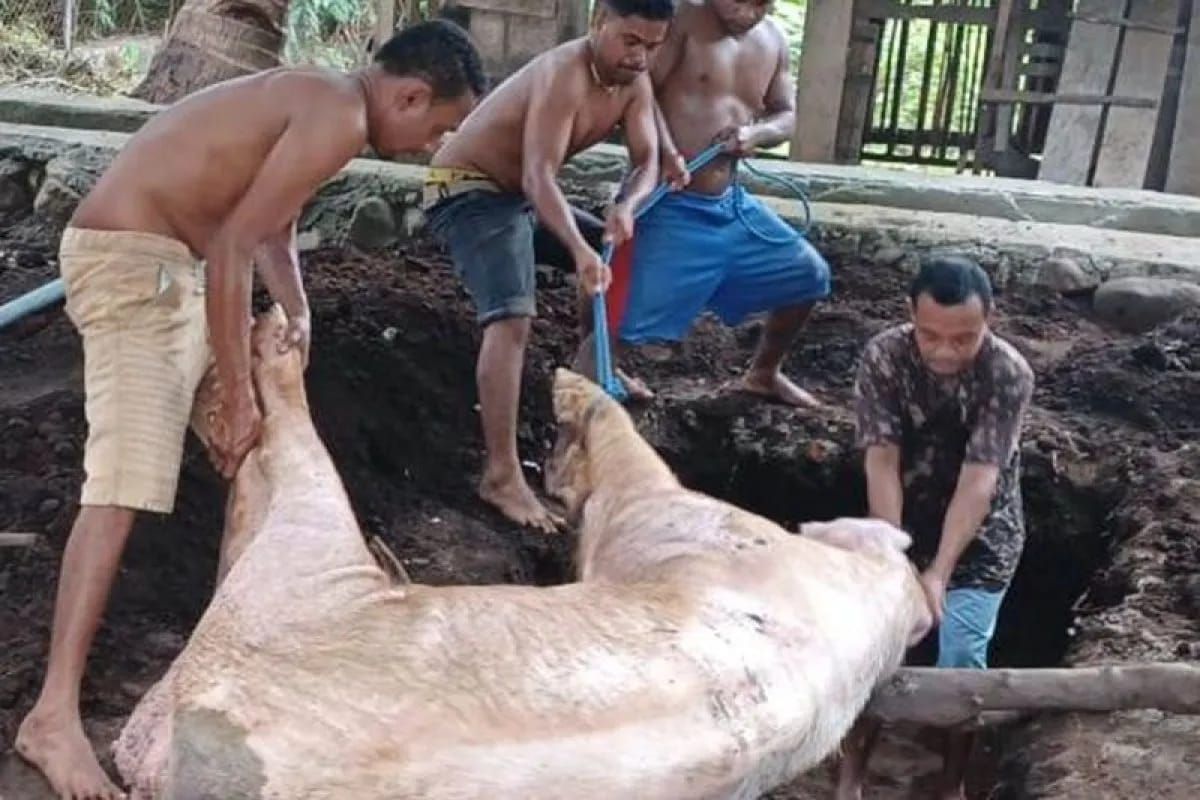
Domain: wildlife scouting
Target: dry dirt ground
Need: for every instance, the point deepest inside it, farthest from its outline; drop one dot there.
(1111, 571)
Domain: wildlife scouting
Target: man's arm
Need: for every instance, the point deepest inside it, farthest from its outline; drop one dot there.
(879, 426)
(641, 140)
(885, 492)
(312, 148)
(553, 101)
(779, 107)
(278, 265)
(968, 509)
(780, 101)
(664, 64)
(997, 433)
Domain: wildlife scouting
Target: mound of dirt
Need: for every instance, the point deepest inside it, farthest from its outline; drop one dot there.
(394, 398)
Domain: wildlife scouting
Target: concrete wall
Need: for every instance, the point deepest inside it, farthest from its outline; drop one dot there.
(511, 32)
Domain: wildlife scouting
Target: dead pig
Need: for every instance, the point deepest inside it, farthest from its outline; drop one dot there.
(683, 666)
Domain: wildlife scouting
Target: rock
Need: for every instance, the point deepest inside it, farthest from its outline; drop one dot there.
(50, 505)
(308, 240)
(1066, 276)
(889, 256)
(16, 191)
(1138, 305)
(373, 225)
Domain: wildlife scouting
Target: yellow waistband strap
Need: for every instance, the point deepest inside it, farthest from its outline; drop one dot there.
(450, 175)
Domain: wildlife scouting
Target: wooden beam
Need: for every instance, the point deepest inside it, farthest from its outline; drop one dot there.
(955, 697)
(1087, 70)
(1001, 96)
(821, 80)
(1129, 23)
(18, 539)
(1183, 177)
(1042, 19)
(1128, 134)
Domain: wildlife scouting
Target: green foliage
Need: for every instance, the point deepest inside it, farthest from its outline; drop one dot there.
(330, 33)
(790, 16)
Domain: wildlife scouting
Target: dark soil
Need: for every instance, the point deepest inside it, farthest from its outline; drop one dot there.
(1110, 476)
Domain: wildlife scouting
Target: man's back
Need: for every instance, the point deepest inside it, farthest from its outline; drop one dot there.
(185, 170)
(492, 139)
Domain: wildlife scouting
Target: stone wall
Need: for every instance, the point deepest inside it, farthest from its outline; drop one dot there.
(373, 203)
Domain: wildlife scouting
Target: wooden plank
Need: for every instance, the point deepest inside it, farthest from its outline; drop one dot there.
(859, 91)
(1183, 177)
(1087, 70)
(991, 80)
(1046, 98)
(821, 80)
(18, 539)
(1008, 77)
(1160, 150)
(1129, 133)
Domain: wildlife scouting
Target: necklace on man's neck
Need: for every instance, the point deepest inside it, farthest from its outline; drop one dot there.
(595, 73)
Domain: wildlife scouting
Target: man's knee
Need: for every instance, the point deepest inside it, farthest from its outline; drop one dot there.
(508, 329)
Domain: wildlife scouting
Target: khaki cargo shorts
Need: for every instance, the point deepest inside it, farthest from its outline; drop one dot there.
(137, 300)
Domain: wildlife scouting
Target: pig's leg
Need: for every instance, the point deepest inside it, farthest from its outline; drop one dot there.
(307, 528)
(246, 506)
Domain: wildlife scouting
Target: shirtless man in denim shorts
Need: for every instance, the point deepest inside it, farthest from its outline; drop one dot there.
(498, 171)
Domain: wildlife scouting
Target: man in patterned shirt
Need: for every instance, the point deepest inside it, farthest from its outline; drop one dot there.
(940, 402)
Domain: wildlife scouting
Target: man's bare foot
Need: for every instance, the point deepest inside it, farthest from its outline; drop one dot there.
(61, 751)
(514, 499)
(637, 388)
(774, 386)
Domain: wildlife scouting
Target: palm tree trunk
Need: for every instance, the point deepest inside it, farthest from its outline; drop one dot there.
(212, 41)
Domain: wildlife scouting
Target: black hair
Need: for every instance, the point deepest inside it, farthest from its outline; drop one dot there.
(657, 10)
(439, 52)
(952, 280)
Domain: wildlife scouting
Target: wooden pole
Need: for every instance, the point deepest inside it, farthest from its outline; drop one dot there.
(958, 697)
(385, 22)
(68, 25)
(821, 80)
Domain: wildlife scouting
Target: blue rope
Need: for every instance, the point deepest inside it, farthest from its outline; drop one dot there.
(605, 375)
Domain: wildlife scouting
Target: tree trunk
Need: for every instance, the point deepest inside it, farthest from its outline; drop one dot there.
(212, 41)
(955, 697)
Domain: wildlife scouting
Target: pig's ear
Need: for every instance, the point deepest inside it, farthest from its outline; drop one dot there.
(858, 533)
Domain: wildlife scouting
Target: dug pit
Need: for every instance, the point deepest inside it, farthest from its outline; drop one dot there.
(1108, 479)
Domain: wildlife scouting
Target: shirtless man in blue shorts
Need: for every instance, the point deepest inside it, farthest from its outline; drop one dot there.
(722, 75)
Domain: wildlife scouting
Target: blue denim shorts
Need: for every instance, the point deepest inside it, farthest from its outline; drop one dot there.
(490, 238)
(968, 626)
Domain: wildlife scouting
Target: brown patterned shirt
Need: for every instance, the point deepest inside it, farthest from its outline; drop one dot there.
(939, 425)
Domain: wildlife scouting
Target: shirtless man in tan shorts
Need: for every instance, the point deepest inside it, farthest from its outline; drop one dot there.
(220, 176)
(722, 76)
(498, 170)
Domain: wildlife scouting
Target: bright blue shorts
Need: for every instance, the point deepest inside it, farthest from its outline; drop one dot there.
(968, 627)
(727, 253)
